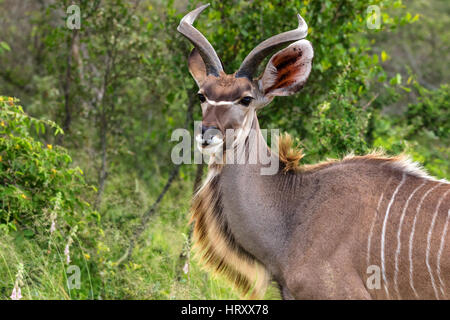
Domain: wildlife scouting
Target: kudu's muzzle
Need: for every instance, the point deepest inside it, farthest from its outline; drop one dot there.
(210, 135)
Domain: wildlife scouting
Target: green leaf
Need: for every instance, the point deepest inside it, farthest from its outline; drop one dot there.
(5, 46)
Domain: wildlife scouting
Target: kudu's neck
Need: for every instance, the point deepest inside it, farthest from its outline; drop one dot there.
(247, 189)
(240, 216)
(249, 147)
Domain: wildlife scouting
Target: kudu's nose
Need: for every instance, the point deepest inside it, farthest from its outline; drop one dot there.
(208, 132)
(206, 128)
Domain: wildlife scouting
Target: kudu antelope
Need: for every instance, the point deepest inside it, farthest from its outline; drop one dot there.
(318, 230)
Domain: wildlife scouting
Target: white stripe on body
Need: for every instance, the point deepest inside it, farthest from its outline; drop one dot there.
(430, 232)
(369, 239)
(383, 234)
(397, 252)
(411, 238)
(441, 249)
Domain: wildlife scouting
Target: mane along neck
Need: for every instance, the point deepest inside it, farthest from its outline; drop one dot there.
(216, 247)
(290, 157)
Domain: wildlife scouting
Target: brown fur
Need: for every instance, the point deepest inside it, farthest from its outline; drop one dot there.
(225, 87)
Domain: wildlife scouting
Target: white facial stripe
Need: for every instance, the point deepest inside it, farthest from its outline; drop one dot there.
(383, 233)
(397, 252)
(221, 103)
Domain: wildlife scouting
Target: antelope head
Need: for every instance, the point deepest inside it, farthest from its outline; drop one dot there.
(230, 101)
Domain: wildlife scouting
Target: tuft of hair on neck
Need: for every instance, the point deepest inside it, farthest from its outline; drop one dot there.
(288, 153)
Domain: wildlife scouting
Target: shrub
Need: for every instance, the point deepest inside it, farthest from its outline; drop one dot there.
(42, 198)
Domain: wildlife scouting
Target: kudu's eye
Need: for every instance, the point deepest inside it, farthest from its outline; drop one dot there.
(246, 101)
(201, 97)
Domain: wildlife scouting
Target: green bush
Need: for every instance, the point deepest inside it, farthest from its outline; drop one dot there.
(36, 179)
(423, 130)
(42, 198)
(431, 112)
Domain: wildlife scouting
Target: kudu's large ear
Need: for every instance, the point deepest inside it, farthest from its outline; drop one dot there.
(197, 67)
(287, 70)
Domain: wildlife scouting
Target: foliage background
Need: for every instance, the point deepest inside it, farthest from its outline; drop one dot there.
(119, 86)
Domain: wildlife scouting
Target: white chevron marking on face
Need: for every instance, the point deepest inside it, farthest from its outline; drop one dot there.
(221, 103)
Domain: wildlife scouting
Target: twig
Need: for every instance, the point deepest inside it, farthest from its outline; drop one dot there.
(146, 217)
(370, 102)
(67, 86)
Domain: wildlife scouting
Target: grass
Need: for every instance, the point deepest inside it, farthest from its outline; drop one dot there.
(154, 270)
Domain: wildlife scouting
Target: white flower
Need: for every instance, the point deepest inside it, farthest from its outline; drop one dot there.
(186, 268)
(16, 293)
(67, 254)
(53, 227)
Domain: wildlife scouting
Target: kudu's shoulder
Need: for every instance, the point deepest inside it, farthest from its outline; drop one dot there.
(378, 162)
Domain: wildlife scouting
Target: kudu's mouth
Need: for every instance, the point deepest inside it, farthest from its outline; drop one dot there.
(209, 142)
